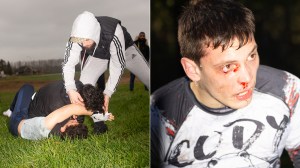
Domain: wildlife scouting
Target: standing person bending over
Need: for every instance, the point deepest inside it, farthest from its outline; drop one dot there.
(141, 43)
(95, 42)
(228, 111)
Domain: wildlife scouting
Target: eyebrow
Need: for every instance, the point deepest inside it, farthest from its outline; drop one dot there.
(253, 49)
(229, 61)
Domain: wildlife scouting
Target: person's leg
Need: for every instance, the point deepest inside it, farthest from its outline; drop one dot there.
(131, 84)
(12, 106)
(21, 106)
(136, 63)
(92, 70)
(101, 82)
(13, 103)
(117, 61)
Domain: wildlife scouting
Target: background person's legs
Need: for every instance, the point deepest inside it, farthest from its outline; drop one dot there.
(136, 63)
(20, 108)
(131, 84)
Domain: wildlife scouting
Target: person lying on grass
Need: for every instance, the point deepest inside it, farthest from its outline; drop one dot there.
(53, 96)
(63, 118)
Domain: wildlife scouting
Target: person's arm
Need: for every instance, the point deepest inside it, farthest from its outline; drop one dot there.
(63, 113)
(71, 59)
(106, 102)
(116, 64)
(292, 92)
(158, 140)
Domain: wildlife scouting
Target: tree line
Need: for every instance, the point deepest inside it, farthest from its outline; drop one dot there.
(32, 67)
(5, 67)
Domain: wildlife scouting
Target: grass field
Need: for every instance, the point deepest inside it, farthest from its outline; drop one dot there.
(125, 145)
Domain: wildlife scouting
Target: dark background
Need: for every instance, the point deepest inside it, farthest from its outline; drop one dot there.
(277, 36)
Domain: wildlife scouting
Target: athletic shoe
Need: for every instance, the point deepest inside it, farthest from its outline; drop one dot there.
(7, 113)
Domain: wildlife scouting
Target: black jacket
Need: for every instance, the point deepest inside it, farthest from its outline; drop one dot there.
(108, 27)
(49, 98)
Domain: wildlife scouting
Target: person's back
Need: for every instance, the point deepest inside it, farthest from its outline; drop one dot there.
(48, 98)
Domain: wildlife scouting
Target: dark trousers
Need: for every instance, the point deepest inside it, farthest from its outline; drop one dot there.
(101, 82)
(19, 107)
(131, 84)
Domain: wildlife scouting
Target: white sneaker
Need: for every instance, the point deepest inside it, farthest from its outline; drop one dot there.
(7, 113)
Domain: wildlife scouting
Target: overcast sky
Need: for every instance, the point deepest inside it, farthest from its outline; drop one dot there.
(39, 29)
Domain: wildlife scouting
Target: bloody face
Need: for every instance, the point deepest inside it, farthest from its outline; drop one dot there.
(227, 77)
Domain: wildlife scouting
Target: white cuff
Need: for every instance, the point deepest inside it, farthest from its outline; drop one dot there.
(100, 117)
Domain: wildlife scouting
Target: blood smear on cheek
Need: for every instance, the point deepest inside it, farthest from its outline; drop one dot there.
(236, 69)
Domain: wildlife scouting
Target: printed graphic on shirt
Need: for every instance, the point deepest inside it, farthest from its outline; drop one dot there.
(243, 137)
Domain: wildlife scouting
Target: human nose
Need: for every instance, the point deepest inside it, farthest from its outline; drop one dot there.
(244, 76)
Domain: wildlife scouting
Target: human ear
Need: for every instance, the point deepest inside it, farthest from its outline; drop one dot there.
(191, 69)
(63, 129)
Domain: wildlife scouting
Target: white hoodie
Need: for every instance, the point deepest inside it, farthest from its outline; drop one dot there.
(84, 26)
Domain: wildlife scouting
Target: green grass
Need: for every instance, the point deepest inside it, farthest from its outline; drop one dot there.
(125, 145)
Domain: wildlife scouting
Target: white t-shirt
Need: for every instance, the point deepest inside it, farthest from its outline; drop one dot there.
(186, 133)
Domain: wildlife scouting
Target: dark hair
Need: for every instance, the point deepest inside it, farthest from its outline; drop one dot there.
(79, 131)
(100, 127)
(205, 23)
(93, 98)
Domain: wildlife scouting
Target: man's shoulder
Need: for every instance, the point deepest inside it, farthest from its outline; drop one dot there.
(173, 101)
(276, 82)
(171, 88)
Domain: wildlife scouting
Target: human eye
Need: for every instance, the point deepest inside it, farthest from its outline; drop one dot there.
(252, 57)
(229, 67)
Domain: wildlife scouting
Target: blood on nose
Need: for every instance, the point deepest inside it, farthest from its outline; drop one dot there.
(244, 84)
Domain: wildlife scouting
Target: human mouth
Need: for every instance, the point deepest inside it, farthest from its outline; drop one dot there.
(245, 95)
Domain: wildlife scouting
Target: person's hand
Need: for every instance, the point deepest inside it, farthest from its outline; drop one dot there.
(98, 117)
(106, 102)
(75, 97)
(110, 116)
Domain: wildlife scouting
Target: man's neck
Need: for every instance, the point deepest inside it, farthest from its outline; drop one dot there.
(208, 107)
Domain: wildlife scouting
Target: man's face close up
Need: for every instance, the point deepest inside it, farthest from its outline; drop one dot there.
(228, 77)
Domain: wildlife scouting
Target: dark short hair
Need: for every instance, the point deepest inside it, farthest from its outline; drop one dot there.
(93, 97)
(79, 131)
(205, 23)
